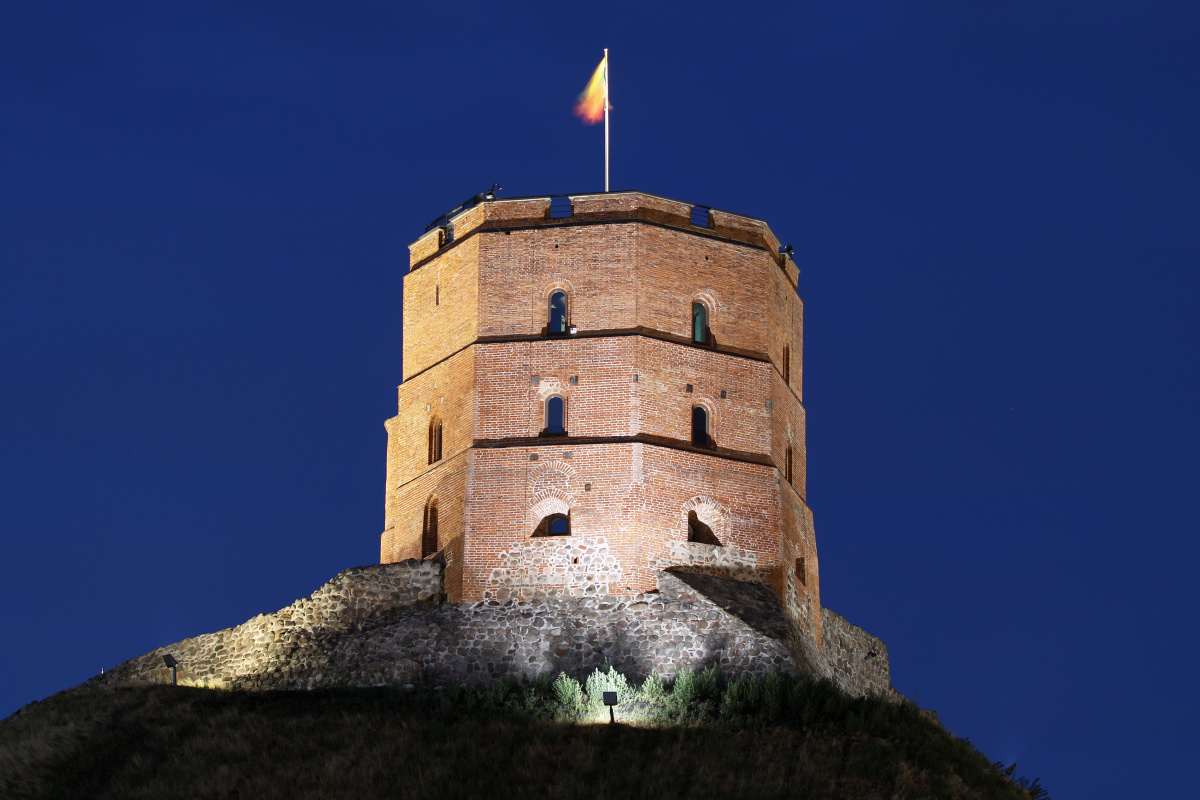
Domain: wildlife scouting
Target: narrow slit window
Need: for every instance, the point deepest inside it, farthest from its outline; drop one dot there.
(788, 465)
(787, 364)
(437, 295)
(700, 432)
(556, 416)
(435, 440)
(560, 207)
(558, 312)
(429, 532)
(701, 216)
(699, 323)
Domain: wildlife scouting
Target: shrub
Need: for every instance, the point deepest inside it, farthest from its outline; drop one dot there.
(708, 683)
(529, 699)
(568, 692)
(602, 681)
(683, 689)
(773, 691)
(653, 688)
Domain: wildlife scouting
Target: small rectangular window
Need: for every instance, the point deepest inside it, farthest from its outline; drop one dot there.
(701, 216)
(560, 207)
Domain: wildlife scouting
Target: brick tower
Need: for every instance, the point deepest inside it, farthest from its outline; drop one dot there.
(597, 387)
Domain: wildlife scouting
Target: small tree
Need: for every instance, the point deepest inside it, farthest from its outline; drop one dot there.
(568, 692)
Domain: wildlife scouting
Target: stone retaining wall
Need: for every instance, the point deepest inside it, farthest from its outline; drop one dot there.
(679, 626)
(356, 600)
(860, 659)
(389, 625)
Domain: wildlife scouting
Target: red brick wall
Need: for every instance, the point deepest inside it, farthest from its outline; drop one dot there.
(606, 399)
(476, 353)
(447, 482)
(441, 303)
(635, 505)
(444, 391)
(594, 264)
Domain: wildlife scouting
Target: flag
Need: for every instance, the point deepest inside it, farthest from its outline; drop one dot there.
(590, 105)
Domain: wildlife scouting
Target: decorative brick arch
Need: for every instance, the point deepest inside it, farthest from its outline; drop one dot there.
(711, 513)
(553, 490)
(550, 386)
(554, 472)
(708, 298)
(557, 285)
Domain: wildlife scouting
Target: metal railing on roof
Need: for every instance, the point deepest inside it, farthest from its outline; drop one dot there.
(466, 205)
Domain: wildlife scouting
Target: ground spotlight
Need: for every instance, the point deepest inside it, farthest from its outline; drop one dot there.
(170, 661)
(610, 700)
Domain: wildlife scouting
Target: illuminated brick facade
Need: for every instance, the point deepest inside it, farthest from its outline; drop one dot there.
(474, 466)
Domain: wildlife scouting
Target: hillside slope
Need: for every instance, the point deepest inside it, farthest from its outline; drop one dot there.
(757, 738)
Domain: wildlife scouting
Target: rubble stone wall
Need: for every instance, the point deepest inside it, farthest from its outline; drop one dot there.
(356, 600)
(860, 659)
(389, 625)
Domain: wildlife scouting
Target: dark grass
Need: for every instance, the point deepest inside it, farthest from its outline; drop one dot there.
(766, 738)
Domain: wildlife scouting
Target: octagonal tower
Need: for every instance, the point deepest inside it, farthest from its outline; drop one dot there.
(597, 387)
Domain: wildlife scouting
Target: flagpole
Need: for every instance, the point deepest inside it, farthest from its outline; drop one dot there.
(606, 119)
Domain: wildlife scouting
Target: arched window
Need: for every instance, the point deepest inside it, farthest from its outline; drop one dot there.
(788, 465)
(700, 433)
(435, 440)
(699, 323)
(429, 530)
(556, 416)
(554, 525)
(699, 532)
(558, 312)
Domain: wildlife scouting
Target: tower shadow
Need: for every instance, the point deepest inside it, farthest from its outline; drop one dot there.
(753, 603)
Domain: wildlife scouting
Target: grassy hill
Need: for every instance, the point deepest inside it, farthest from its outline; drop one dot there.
(773, 737)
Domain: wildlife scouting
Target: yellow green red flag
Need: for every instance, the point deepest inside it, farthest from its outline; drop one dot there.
(590, 105)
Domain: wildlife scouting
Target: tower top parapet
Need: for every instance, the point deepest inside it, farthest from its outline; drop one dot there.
(591, 209)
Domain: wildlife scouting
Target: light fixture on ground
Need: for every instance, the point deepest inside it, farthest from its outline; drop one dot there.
(170, 661)
(610, 700)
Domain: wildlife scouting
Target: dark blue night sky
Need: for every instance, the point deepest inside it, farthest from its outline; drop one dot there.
(204, 216)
